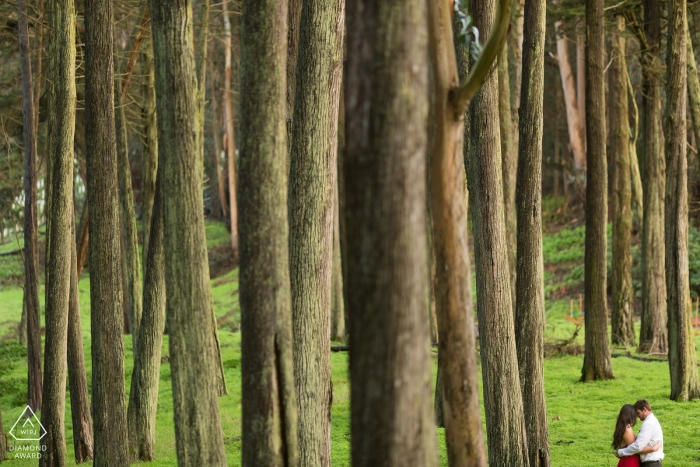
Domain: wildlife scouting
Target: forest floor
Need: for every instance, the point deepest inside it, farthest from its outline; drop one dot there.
(581, 416)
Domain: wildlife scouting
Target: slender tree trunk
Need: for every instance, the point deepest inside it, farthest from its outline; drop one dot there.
(143, 397)
(268, 393)
(83, 240)
(518, 56)
(193, 345)
(573, 118)
(457, 394)
(596, 362)
(653, 332)
(581, 82)
(529, 310)
(622, 290)
(31, 267)
(59, 231)
(681, 348)
(505, 421)
(693, 87)
(79, 398)
(337, 303)
(149, 166)
(216, 172)
(386, 109)
(293, 27)
(509, 153)
(230, 141)
(108, 408)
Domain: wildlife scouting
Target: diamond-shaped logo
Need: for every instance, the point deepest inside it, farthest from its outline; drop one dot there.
(28, 427)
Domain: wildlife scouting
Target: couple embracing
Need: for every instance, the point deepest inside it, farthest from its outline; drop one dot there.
(645, 449)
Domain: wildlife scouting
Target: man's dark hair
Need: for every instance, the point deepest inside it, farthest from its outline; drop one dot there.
(642, 404)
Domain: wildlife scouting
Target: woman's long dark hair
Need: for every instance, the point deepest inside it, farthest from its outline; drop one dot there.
(628, 416)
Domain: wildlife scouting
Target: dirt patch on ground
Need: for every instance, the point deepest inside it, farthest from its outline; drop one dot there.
(221, 260)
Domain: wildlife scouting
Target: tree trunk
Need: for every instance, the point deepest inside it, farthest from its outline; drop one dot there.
(681, 347)
(79, 398)
(509, 153)
(573, 118)
(596, 362)
(143, 397)
(230, 144)
(693, 87)
(337, 303)
(529, 309)
(293, 27)
(83, 240)
(215, 172)
(108, 409)
(31, 267)
(268, 394)
(312, 182)
(505, 422)
(386, 139)
(457, 394)
(622, 290)
(149, 166)
(581, 82)
(653, 333)
(518, 56)
(193, 345)
(59, 230)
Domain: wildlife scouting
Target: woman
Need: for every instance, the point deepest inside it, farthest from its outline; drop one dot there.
(624, 436)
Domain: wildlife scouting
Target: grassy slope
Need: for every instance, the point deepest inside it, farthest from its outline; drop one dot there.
(581, 416)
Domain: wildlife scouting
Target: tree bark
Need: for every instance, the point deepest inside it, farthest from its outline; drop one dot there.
(59, 230)
(337, 302)
(457, 394)
(149, 166)
(681, 347)
(31, 266)
(108, 409)
(212, 165)
(193, 345)
(693, 87)
(581, 83)
(505, 422)
(653, 333)
(529, 309)
(622, 290)
(269, 399)
(386, 138)
(596, 362)
(293, 26)
(230, 144)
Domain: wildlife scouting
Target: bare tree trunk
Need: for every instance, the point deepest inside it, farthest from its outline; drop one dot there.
(59, 230)
(31, 267)
(693, 87)
(386, 110)
(193, 345)
(268, 393)
(293, 26)
(653, 332)
(108, 409)
(337, 302)
(596, 362)
(681, 348)
(83, 240)
(217, 173)
(230, 142)
(149, 166)
(622, 291)
(529, 309)
(573, 118)
(581, 82)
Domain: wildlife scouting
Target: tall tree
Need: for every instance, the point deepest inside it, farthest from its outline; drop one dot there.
(337, 288)
(149, 164)
(681, 348)
(386, 106)
(193, 347)
(529, 308)
(268, 392)
(693, 87)
(59, 229)
(230, 141)
(312, 181)
(596, 362)
(108, 392)
(505, 421)
(653, 333)
(622, 290)
(31, 265)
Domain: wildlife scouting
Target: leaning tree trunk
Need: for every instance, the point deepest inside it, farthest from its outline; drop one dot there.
(108, 392)
(622, 291)
(386, 107)
(31, 266)
(268, 394)
(230, 141)
(505, 421)
(529, 309)
(59, 230)
(596, 362)
(653, 333)
(681, 347)
(193, 346)
(312, 180)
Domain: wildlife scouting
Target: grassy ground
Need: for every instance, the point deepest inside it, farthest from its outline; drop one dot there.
(581, 416)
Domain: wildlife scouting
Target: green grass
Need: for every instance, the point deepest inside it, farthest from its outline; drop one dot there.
(581, 416)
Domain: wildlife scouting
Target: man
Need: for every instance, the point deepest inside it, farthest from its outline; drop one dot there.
(649, 435)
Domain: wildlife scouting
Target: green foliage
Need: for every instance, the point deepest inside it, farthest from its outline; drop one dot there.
(468, 35)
